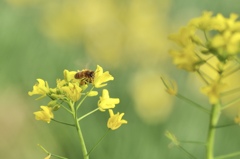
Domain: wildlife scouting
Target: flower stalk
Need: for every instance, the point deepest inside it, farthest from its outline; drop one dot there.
(214, 117)
(99, 141)
(82, 142)
(91, 112)
(68, 95)
(193, 103)
(79, 131)
(214, 57)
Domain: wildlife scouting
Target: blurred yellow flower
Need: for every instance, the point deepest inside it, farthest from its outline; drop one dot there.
(115, 120)
(48, 157)
(204, 22)
(227, 42)
(213, 91)
(220, 37)
(133, 30)
(223, 23)
(173, 138)
(101, 77)
(209, 22)
(186, 58)
(237, 119)
(151, 103)
(61, 21)
(171, 86)
(40, 88)
(184, 37)
(45, 114)
(73, 91)
(105, 102)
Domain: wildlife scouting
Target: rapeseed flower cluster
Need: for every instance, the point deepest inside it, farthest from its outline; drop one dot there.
(221, 38)
(70, 90)
(69, 94)
(209, 46)
(206, 39)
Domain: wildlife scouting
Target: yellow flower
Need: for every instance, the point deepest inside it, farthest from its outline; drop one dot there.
(58, 93)
(61, 83)
(105, 102)
(73, 91)
(227, 42)
(204, 22)
(186, 58)
(45, 114)
(219, 22)
(237, 119)
(48, 156)
(40, 88)
(115, 120)
(69, 75)
(171, 86)
(213, 91)
(92, 93)
(184, 37)
(101, 77)
(223, 23)
(173, 138)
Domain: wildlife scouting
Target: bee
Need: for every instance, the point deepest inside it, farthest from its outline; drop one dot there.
(86, 76)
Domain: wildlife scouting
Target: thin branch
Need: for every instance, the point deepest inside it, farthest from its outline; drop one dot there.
(63, 122)
(230, 104)
(192, 102)
(228, 155)
(226, 125)
(193, 142)
(202, 77)
(230, 92)
(87, 114)
(186, 152)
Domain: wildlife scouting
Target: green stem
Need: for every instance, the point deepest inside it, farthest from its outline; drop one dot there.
(87, 114)
(226, 125)
(214, 117)
(43, 148)
(63, 122)
(193, 142)
(230, 104)
(228, 156)
(203, 78)
(80, 135)
(205, 35)
(58, 156)
(192, 102)
(66, 108)
(82, 142)
(51, 153)
(99, 141)
(186, 152)
(231, 71)
(235, 90)
(80, 103)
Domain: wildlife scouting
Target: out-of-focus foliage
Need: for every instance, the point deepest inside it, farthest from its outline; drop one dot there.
(113, 32)
(40, 38)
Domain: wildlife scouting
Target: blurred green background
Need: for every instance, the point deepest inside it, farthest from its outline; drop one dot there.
(41, 38)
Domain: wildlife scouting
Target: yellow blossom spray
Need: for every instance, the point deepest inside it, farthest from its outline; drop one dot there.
(69, 94)
(208, 46)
